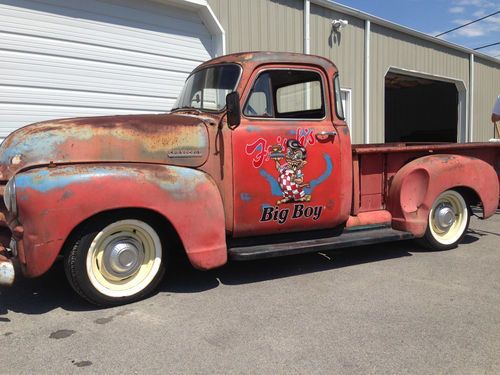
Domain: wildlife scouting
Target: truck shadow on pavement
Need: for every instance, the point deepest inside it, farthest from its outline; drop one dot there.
(52, 291)
(189, 280)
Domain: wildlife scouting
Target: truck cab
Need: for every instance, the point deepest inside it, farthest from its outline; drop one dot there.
(286, 166)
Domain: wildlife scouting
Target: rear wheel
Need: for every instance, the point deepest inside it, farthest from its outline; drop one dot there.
(115, 261)
(448, 221)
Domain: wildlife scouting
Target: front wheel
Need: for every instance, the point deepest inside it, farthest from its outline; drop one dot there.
(115, 262)
(448, 221)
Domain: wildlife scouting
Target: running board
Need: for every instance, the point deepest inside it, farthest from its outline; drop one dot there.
(347, 239)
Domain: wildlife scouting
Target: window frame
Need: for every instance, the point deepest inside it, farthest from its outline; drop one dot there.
(208, 67)
(287, 119)
(337, 87)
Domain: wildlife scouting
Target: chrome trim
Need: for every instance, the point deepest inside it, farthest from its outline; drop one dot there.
(7, 272)
(321, 136)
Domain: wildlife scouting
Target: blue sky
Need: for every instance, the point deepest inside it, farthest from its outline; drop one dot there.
(435, 16)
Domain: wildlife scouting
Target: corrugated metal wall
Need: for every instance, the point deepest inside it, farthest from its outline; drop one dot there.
(261, 25)
(486, 90)
(277, 25)
(390, 48)
(343, 48)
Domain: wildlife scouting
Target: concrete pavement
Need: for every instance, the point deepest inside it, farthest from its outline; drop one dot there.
(389, 308)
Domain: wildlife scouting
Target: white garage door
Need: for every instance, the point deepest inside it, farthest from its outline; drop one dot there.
(66, 58)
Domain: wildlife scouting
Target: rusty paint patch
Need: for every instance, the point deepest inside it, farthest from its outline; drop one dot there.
(178, 181)
(167, 139)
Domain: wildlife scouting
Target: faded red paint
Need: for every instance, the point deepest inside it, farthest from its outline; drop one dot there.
(134, 138)
(381, 167)
(210, 182)
(252, 142)
(381, 217)
(416, 186)
(191, 203)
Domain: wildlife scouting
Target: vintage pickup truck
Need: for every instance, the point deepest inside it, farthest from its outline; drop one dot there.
(254, 161)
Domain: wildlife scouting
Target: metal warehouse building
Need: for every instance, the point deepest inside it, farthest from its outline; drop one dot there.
(66, 58)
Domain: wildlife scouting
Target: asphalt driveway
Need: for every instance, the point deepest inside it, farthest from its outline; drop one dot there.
(378, 309)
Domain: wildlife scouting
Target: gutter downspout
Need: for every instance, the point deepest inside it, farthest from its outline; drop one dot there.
(471, 98)
(367, 83)
(307, 28)
(307, 46)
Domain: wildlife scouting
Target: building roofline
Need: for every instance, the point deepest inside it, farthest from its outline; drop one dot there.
(394, 26)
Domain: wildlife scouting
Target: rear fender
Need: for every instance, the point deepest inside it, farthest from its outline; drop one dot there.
(54, 201)
(416, 186)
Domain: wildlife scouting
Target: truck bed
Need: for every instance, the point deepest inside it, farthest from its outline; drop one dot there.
(374, 165)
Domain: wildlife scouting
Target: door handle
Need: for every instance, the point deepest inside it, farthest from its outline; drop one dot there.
(321, 136)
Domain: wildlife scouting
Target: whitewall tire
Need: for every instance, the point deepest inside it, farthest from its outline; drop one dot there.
(116, 261)
(448, 221)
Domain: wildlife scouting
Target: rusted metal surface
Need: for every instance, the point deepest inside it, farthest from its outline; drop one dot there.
(371, 183)
(209, 181)
(166, 139)
(53, 201)
(429, 148)
(416, 186)
(380, 217)
(261, 204)
(356, 191)
(249, 61)
(389, 160)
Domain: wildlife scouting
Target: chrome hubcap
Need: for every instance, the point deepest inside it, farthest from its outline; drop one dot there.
(123, 257)
(445, 217)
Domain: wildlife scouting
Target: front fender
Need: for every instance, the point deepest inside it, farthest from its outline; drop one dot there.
(416, 186)
(53, 201)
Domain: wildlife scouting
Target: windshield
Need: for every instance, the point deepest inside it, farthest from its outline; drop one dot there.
(207, 88)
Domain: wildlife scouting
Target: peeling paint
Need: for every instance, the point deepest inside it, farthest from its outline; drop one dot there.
(132, 138)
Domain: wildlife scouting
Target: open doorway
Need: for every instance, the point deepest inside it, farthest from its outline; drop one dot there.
(419, 109)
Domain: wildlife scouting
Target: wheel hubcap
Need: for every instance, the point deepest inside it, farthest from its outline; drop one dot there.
(445, 217)
(448, 218)
(123, 256)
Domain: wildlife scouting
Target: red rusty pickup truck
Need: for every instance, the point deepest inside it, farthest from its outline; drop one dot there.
(254, 161)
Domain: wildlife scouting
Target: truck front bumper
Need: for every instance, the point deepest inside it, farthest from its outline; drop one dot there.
(7, 272)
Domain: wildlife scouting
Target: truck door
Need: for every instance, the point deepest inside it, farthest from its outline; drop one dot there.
(286, 154)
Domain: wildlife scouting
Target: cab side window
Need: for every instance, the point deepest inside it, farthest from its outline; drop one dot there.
(291, 94)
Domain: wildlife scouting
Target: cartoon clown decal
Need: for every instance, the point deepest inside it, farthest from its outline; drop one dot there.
(291, 178)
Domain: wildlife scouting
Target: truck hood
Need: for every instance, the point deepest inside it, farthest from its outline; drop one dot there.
(180, 140)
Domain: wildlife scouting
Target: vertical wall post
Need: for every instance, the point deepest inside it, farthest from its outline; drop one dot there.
(471, 99)
(367, 83)
(307, 29)
(307, 46)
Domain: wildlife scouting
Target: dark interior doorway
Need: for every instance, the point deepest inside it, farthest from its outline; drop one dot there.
(420, 110)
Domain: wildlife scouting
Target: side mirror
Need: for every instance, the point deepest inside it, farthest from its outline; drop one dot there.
(233, 109)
